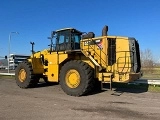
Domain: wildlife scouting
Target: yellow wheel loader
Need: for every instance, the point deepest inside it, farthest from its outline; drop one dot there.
(79, 60)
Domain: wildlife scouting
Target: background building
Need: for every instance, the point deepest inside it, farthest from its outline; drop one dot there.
(14, 60)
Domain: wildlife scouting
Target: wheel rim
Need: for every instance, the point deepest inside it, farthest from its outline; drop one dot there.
(72, 78)
(22, 75)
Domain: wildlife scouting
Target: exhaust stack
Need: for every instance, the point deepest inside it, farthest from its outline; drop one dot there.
(105, 30)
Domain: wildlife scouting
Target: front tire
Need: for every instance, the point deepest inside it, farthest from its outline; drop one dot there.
(76, 78)
(24, 75)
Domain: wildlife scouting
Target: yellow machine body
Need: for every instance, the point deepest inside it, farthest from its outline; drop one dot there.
(96, 55)
(78, 61)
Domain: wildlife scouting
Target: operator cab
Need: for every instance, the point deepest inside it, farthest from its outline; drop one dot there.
(66, 39)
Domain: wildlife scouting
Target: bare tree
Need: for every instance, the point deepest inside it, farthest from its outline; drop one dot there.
(147, 60)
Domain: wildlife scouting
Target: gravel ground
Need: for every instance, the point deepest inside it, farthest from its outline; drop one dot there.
(51, 103)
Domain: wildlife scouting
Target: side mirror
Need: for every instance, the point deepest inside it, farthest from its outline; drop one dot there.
(32, 50)
(49, 38)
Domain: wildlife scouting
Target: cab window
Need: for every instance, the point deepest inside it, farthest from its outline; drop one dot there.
(61, 39)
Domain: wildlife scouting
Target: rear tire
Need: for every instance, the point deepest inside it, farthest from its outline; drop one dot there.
(24, 75)
(76, 78)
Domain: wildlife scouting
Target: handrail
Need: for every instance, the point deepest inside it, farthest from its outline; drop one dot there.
(125, 62)
(98, 55)
(95, 44)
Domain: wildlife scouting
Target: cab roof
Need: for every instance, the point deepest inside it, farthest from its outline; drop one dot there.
(64, 29)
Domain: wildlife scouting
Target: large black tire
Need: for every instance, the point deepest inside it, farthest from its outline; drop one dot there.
(24, 75)
(80, 72)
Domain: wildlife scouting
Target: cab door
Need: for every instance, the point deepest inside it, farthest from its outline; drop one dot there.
(67, 41)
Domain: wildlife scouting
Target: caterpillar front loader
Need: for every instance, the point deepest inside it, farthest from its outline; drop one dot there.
(77, 61)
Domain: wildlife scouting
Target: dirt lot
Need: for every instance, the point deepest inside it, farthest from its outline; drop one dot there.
(51, 103)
